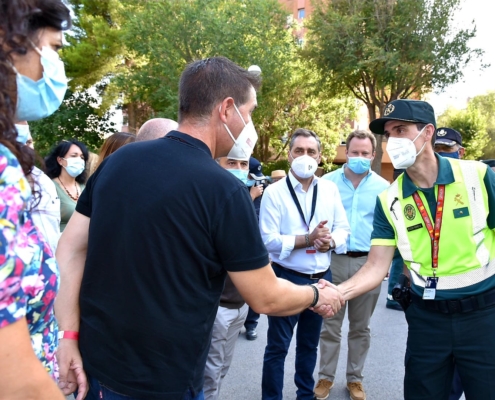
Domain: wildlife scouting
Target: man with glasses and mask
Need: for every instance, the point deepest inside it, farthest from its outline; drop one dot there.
(301, 221)
(438, 215)
(140, 285)
(358, 187)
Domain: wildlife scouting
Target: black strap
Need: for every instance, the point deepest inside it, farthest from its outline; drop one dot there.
(313, 203)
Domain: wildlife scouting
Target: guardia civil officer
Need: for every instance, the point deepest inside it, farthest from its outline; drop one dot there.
(438, 215)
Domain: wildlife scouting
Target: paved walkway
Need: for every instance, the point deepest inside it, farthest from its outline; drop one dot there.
(384, 370)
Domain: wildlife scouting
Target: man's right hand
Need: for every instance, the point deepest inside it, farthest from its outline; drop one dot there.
(330, 299)
(72, 375)
(320, 232)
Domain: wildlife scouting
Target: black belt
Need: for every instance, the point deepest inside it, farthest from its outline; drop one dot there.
(465, 305)
(318, 275)
(356, 254)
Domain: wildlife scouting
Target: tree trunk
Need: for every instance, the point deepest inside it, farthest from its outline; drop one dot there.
(377, 162)
(131, 117)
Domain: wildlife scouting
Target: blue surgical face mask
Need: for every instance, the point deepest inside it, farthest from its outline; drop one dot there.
(359, 165)
(75, 166)
(22, 133)
(37, 100)
(250, 182)
(240, 174)
(455, 154)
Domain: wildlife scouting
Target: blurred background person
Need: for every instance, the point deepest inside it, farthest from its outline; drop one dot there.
(45, 204)
(448, 143)
(91, 164)
(156, 128)
(32, 86)
(277, 175)
(113, 143)
(490, 163)
(65, 165)
(257, 182)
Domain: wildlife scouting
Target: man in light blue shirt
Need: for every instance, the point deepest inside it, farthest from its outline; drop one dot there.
(358, 187)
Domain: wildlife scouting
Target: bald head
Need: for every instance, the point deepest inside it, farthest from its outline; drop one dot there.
(155, 128)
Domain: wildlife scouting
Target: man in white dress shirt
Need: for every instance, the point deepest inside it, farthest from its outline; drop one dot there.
(301, 219)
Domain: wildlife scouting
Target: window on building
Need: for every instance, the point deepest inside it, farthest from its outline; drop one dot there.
(301, 13)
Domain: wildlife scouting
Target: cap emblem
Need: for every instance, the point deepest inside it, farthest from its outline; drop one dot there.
(388, 110)
(441, 132)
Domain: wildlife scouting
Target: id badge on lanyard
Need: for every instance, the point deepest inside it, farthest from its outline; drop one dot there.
(434, 232)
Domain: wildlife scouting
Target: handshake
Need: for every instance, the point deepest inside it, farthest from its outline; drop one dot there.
(330, 299)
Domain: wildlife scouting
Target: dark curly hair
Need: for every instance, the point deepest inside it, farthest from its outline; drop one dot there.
(20, 20)
(53, 168)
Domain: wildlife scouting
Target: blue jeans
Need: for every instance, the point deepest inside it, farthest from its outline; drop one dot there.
(98, 392)
(280, 332)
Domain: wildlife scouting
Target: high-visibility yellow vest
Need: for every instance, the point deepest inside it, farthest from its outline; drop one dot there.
(466, 246)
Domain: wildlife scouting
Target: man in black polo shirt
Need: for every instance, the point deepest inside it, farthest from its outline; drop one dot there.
(144, 258)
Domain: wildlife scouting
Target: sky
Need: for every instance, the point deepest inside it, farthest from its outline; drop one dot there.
(475, 81)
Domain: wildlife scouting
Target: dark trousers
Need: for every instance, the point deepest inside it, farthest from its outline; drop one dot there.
(251, 320)
(439, 342)
(97, 391)
(279, 336)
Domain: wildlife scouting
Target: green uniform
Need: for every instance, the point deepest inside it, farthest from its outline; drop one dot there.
(461, 328)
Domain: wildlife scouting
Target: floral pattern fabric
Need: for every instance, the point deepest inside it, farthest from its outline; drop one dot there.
(28, 271)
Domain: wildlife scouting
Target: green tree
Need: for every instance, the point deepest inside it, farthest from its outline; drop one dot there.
(164, 36)
(485, 104)
(139, 48)
(383, 50)
(76, 118)
(471, 124)
(95, 49)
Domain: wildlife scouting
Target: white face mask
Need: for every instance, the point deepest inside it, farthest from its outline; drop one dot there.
(75, 166)
(304, 166)
(245, 142)
(402, 151)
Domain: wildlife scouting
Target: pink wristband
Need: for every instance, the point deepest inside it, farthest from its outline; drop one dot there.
(68, 335)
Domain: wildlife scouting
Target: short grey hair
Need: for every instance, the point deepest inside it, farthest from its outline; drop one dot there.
(304, 133)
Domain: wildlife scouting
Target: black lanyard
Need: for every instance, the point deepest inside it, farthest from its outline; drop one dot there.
(313, 203)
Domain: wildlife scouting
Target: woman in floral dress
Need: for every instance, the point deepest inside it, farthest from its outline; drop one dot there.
(32, 86)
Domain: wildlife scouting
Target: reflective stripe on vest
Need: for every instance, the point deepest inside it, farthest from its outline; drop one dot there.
(475, 190)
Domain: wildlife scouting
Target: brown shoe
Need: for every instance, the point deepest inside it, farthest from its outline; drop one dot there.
(356, 390)
(322, 389)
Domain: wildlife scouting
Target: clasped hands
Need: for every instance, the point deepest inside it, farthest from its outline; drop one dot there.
(330, 299)
(320, 237)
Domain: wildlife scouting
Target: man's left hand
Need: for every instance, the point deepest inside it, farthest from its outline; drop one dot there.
(323, 244)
